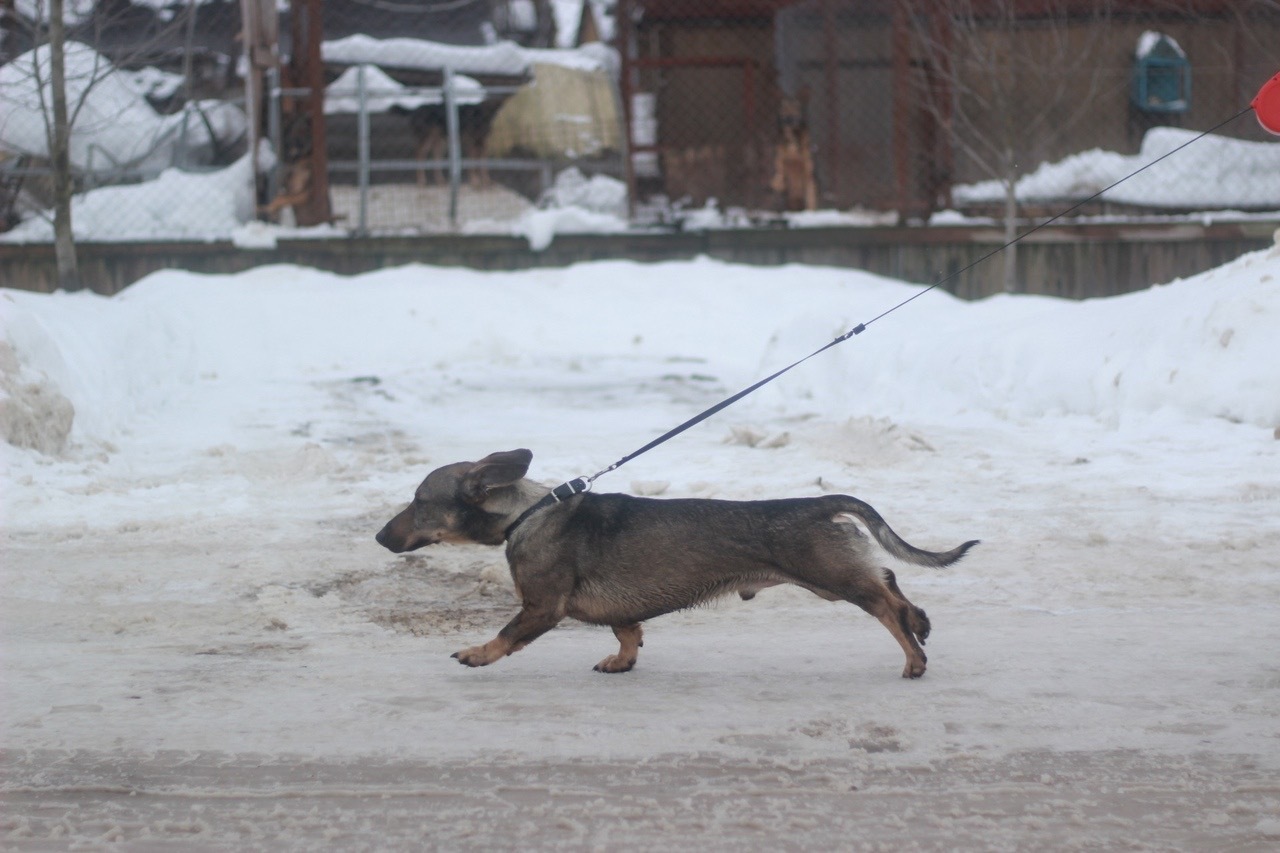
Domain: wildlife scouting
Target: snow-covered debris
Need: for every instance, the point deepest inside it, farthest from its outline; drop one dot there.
(575, 204)
(599, 193)
(114, 126)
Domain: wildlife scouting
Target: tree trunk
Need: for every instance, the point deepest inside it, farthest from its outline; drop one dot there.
(1010, 182)
(59, 154)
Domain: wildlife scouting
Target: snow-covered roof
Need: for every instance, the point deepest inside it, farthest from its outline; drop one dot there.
(1150, 39)
(505, 58)
(382, 92)
(1216, 172)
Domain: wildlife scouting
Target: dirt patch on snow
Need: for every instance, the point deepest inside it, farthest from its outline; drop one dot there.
(33, 412)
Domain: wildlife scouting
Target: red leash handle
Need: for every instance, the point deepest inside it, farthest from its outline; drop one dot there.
(1266, 106)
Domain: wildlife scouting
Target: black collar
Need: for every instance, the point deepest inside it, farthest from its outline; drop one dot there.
(547, 500)
(562, 492)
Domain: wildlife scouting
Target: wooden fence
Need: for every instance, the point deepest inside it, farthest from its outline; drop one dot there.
(1073, 261)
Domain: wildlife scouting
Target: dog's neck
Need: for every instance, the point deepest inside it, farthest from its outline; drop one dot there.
(515, 500)
(520, 501)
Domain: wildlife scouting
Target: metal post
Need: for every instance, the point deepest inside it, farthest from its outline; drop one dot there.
(275, 129)
(362, 146)
(831, 156)
(455, 146)
(180, 158)
(320, 209)
(626, 88)
(906, 200)
(251, 26)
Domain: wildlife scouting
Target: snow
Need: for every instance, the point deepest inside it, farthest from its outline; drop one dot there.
(568, 15)
(203, 644)
(1215, 172)
(574, 204)
(177, 205)
(114, 126)
(219, 205)
(1150, 40)
(599, 193)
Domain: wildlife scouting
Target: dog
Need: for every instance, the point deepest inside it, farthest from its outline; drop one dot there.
(793, 169)
(618, 560)
(429, 125)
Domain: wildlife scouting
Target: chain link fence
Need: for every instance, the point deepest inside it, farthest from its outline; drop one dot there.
(472, 116)
(915, 107)
(465, 145)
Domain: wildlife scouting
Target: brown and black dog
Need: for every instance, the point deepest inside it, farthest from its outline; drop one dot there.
(429, 126)
(618, 560)
(794, 180)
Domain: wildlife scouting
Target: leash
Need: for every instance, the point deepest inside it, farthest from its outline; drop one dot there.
(578, 485)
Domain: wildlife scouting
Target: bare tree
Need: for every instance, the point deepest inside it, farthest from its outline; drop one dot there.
(997, 76)
(48, 73)
(59, 133)
(60, 102)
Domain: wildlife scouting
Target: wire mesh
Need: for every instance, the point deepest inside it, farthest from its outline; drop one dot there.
(915, 107)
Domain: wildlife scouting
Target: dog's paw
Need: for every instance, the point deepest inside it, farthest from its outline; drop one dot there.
(476, 656)
(920, 626)
(913, 669)
(616, 663)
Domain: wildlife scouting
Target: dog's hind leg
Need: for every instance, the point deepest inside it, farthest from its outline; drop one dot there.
(630, 638)
(533, 620)
(917, 621)
(896, 616)
(831, 568)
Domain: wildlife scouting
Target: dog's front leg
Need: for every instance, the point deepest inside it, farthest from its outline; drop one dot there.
(533, 620)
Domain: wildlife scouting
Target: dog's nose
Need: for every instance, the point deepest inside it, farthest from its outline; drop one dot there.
(381, 537)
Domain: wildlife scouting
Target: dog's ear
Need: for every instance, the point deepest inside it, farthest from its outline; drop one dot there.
(494, 471)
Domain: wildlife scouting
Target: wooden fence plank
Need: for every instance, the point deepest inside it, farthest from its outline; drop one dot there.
(1072, 261)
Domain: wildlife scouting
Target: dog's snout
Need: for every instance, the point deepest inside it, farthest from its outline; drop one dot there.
(396, 534)
(389, 539)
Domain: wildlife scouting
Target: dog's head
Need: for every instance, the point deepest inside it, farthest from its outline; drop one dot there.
(463, 503)
(791, 112)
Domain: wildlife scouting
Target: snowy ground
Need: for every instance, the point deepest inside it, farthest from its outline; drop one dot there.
(204, 648)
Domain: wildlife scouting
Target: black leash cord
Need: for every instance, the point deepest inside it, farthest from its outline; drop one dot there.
(580, 484)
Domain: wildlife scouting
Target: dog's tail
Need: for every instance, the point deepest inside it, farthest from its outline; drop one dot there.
(895, 544)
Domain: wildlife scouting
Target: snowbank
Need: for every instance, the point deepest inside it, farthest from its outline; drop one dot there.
(1194, 349)
(177, 205)
(1215, 172)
